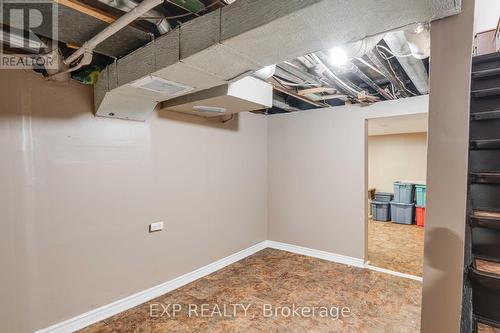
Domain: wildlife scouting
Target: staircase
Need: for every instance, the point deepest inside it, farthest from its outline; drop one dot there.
(482, 289)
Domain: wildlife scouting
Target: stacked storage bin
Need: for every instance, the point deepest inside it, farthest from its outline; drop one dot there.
(420, 196)
(380, 207)
(403, 206)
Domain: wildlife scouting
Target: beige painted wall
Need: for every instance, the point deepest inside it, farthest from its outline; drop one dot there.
(396, 157)
(79, 192)
(317, 175)
(451, 48)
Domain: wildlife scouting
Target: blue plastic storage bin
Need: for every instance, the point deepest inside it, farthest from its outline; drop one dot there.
(402, 213)
(381, 211)
(420, 195)
(404, 192)
(383, 197)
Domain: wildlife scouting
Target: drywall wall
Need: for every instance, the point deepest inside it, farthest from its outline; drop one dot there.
(486, 15)
(318, 176)
(396, 157)
(79, 192)
(451, 48)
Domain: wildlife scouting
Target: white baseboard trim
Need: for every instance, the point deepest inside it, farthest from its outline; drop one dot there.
(398, 274)
(106, 311)
(341, 259)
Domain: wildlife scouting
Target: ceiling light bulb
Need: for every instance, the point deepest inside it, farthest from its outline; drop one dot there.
(338, 57)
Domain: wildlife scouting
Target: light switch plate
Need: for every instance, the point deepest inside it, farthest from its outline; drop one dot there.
(157, 226)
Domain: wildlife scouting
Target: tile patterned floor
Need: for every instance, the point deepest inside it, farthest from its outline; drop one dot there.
(397, 247)
(378, 303)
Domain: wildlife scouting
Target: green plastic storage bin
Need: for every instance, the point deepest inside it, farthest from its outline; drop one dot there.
(420, 195)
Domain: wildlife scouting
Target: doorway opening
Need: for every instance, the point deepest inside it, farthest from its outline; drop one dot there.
(396, 169)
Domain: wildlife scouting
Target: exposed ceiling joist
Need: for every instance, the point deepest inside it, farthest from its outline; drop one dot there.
(316, 90)
(333, 96)
(299, 97)
(88, 10)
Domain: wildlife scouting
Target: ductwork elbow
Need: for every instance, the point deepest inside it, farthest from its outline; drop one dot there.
(419, 41)
(265, 72)
(362, 47)
(163, 26)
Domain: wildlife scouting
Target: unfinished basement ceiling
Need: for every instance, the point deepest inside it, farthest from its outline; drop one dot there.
(201, 44)
(239, 39)
(80, 20)
(366, 72)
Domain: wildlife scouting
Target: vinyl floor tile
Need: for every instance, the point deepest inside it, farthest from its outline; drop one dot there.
(271, 281)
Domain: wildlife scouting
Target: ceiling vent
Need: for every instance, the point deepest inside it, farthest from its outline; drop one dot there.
(247, 94)
(162, 86)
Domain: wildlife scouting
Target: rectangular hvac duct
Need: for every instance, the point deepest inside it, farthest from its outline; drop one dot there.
(247, 94)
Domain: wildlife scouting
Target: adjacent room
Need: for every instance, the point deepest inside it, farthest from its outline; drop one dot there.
(397, 173)
(249, 166)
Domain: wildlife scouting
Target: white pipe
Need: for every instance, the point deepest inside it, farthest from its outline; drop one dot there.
(127, 5)
(60, 73)
(122, 22)
(412, 66)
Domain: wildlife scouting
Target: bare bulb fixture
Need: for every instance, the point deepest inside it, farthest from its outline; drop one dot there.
(338, 57)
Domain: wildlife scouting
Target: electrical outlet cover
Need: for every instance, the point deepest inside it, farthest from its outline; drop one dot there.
(157, 226)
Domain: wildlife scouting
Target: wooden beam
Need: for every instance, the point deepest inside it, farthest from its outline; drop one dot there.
(302, 98)
(316, 90)
(333, 96)
(88, 10)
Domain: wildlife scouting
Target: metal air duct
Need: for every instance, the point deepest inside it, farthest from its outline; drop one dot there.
(247, 94)
(413, 67)
(265, 73)
(419, 41)
(361, 47)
